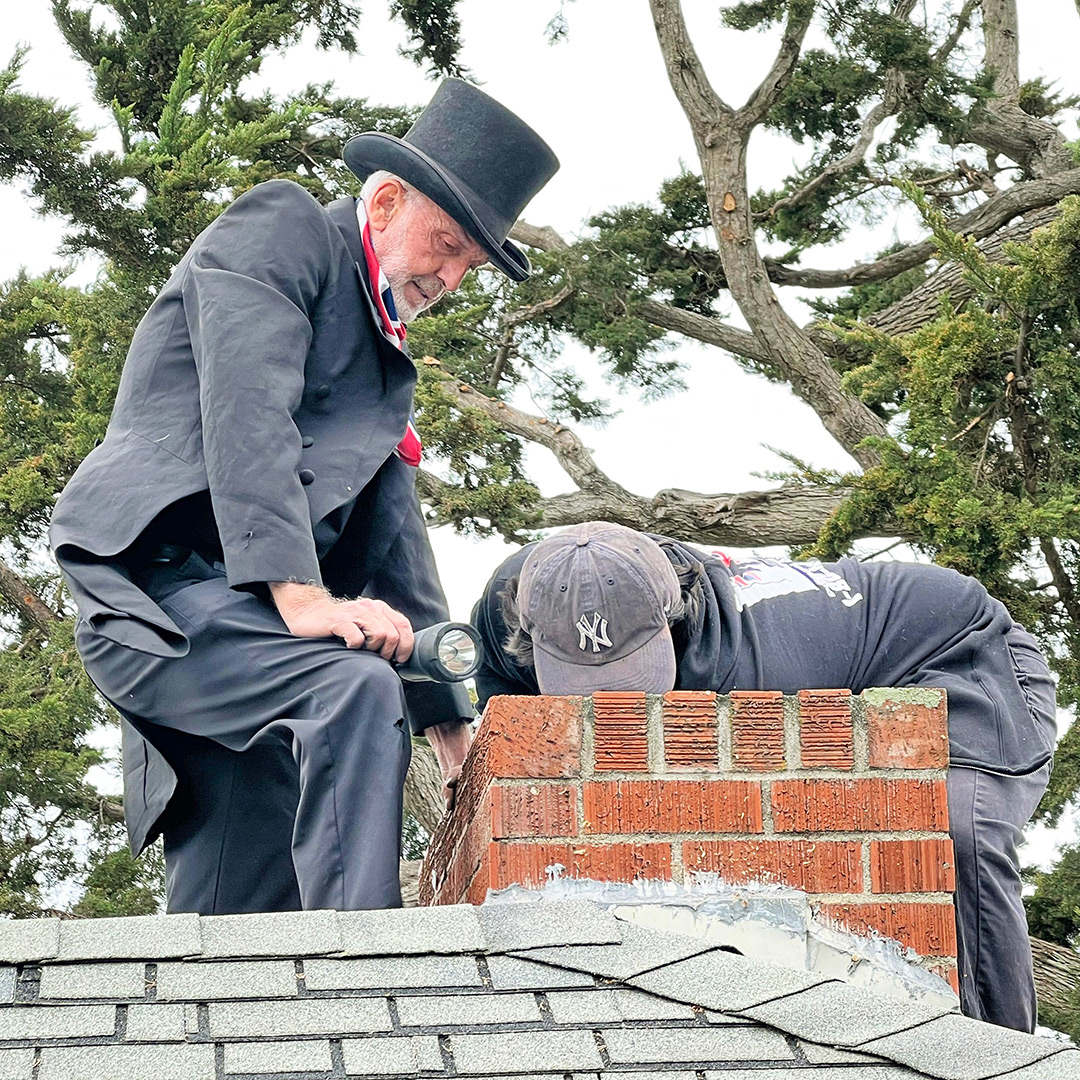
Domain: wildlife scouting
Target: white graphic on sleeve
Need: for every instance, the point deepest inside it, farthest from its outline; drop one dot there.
(762, 579)
(596, 631)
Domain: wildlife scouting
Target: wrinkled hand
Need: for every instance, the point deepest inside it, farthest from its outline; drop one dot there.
(451, 744)
(310, 611)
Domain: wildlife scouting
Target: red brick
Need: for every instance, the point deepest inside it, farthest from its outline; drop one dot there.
(532, 737)
(472, 789)
(870, 805)
(471, 795)
(907, 866)
(690, 730)
(757, 730)
(672, 806)
(825, 729)
(526, 864)
(620, 742)
(814, 866)
(450, 883)
(905, 735)
(453, 829)
(950, 975)
(929, 929)
(535, 810)
(477, 889)
(439, 855)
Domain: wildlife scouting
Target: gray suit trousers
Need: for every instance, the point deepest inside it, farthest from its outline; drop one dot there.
(291, 753)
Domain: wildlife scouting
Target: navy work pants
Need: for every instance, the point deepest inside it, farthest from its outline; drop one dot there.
(290, 752)
(987, 815)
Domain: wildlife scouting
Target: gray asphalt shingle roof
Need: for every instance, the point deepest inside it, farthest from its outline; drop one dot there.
(559, 991)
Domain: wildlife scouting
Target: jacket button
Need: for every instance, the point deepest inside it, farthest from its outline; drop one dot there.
(307, 477)
(307, 441)
(322, 392)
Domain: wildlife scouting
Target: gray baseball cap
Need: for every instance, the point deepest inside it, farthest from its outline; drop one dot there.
(595, 600)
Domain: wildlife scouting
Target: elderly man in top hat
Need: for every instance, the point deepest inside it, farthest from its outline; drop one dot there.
(602, 607)
(246, 547)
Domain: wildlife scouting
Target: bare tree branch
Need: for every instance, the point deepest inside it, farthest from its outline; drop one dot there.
(855, 156)
(701, 103)
(846, 418)
(792, 514)
(431, 489)
(568, 449)
(963, 21)
(1003, 127)
(922, 304)
(515, 319)
(978, 222)
(1066, 590)
(722, 148)
(542, 237)
(104, 809)
(16, 591)
(1002, 46)
(1033, 143)
(711, 331)
(770, 88)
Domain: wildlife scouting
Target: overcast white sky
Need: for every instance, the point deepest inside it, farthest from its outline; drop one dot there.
(602, 101)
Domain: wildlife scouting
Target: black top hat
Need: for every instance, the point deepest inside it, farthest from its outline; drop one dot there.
(471, 156)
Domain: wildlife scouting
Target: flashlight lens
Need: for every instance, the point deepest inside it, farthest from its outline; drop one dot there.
(457, 652)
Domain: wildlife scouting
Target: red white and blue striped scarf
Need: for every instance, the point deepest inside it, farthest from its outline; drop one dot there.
(384, 311)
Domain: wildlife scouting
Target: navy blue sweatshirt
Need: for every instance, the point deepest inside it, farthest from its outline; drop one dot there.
(770, 624)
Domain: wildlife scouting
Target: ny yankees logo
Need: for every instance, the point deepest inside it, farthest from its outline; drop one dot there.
(596, 632)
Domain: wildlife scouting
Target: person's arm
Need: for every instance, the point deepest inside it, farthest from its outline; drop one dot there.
(451, 742)
(250, 291)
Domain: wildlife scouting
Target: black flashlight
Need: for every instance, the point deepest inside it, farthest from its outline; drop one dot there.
(445, 652)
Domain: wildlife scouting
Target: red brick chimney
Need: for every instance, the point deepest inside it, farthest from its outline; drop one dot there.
(840, 797)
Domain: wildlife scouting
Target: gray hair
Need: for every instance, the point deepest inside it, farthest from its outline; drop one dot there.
(377, 179)
(518, 644)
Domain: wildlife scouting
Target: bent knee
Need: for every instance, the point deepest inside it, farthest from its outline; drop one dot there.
(363, 679)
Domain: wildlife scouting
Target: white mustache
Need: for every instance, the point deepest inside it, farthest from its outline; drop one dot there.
(432, 288)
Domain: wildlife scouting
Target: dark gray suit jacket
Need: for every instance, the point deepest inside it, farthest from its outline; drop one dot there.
(258, 375)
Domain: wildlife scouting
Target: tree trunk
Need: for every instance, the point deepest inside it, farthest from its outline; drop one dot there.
(409, 877)
(1057, 978)
(791, 352)
(22, 597)
(1004, 128)
(721, 135)
(423, 786)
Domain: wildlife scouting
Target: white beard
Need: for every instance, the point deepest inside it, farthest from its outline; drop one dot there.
(398, 277)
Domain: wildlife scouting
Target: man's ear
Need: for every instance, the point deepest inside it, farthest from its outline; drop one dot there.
(385, 204)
